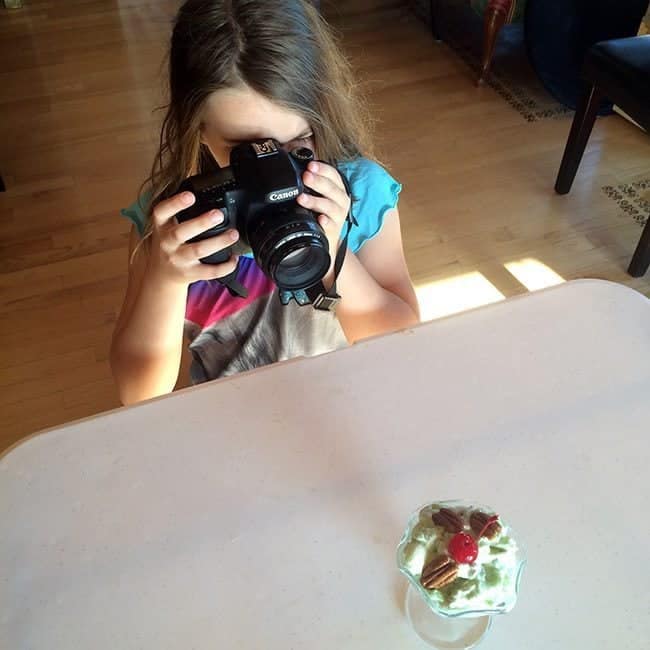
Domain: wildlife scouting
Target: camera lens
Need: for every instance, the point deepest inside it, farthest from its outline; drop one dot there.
(295, 259)
(290, 247)
(302, 268)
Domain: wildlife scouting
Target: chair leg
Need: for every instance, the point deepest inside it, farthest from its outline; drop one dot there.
(493, 21)
(435, 28)
(641, 258)
(583, 123)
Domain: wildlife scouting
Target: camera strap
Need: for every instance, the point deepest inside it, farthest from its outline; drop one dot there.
(320, 298)
(235, 288)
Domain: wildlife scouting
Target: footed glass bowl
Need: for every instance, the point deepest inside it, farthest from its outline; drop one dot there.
(458, 615)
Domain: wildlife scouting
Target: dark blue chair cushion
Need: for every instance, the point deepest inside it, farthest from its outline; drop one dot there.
(559, 34)
(621, 69)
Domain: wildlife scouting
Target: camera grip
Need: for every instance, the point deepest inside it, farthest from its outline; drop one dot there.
(195, 211)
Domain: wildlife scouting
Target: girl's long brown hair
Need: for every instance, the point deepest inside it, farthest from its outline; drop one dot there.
(283, 50)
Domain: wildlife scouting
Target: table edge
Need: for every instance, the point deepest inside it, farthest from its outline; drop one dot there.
(620, 288)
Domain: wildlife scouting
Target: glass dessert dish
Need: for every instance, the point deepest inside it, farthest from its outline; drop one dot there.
(464, 565)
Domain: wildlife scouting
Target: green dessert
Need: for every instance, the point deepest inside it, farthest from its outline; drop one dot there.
(462, 559)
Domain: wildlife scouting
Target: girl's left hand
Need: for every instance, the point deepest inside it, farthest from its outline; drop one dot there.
(332, 207)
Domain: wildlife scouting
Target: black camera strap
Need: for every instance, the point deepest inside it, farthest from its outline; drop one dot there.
(318, 296)
(235, 288)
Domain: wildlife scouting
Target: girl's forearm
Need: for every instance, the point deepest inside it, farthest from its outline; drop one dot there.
(146, 350)
(366, 308)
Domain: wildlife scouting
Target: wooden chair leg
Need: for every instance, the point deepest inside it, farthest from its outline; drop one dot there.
(641, 258)
(493, 21)
(583, 123)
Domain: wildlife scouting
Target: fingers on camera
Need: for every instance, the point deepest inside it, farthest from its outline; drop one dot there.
(216, 271)
(212, 245)
(188, 229)
(165, 210)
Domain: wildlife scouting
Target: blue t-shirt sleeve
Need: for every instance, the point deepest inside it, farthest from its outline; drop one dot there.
(136, 213)
(374, 193)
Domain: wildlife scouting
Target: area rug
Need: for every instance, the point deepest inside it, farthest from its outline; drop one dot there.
(632, 198)
(512, 76)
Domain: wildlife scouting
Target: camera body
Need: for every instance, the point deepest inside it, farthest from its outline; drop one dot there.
(257, 195)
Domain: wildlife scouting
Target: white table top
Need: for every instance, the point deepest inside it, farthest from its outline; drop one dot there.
(263, 511)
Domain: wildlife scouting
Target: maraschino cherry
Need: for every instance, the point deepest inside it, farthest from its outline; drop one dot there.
(463, 548)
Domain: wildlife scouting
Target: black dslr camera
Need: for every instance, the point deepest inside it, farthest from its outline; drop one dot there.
(257, 195)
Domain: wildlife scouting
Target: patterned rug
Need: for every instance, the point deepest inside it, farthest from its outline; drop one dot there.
(632, 198)
(512, 75)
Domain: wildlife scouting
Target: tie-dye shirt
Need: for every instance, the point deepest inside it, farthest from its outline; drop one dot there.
(228, 334)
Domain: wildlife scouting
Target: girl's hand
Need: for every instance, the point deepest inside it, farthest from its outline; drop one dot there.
(177, 261)
(333, 207)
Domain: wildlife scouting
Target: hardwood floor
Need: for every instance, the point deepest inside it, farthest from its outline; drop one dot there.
(77, 135)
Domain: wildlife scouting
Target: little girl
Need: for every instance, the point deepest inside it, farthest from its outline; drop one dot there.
(243, 70)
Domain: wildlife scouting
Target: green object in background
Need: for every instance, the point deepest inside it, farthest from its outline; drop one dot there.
(13, 4)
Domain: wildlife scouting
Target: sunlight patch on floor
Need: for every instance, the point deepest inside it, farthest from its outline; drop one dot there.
(456, 294)
(533, 274)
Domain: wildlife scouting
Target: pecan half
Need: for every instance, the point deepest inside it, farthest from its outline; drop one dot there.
(481, 525)
(451, 521)
(439, 572)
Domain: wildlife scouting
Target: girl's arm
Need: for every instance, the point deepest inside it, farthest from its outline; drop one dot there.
(148, 338)
(147, 341)
(377, 294)
(376, 290)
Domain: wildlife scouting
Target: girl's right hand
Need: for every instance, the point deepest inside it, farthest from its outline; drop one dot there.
(172, 257)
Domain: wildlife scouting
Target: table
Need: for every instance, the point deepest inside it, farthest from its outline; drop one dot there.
(263, 511)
